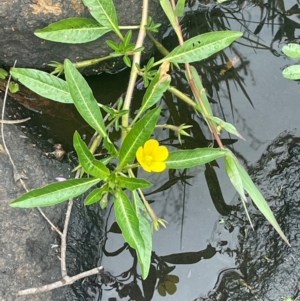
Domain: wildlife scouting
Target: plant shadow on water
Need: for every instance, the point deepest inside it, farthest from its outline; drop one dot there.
(208, 251)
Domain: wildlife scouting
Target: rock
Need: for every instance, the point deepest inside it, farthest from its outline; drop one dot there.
(19, 19)
(267, 269)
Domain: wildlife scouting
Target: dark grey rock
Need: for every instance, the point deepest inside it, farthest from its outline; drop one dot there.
(19, 19)
(268, 269)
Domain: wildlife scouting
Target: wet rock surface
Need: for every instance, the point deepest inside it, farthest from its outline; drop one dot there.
(29, 256)
(19, 19)
(267, 268)
(29, 249)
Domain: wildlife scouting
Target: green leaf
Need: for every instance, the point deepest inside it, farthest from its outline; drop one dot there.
(197, 80)
(168, 10)
(72, 31)
(54, 193)
(292, 72)
(104, 12)
(132, 183)
(226, 126)
(90, 165)
(96, 195)
(234, 175)
(44, 84)
(156, 89)
(190, 158)
(128, 222)
(3, 73)
(292, 50)
(145, 231)
(259, 200)
(201, 47)
(137, 136)
(13, 87)
(179, 9)
(83, 98)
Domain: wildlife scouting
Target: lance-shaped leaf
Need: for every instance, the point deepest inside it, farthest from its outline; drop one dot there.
(72, 31)
(201, 94)
(83, 98)
(96, 195)
(132, 183)
(236, 180)
(190, 158)
(259, 200)
(145, 230)
(179, 10)
(168, 10)
(292, 50)
(226, 126)
(104, 12)
(156, 89)
(43, 83)
(54, 193)
(201, 47)
(137, 136)
(129, 224)
(292, 72)
(90, 165)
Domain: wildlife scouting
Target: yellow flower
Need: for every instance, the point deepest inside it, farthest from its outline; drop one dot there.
(152, 156)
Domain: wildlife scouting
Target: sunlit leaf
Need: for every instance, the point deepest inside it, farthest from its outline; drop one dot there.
(88, 162)
(129, 224)
(230, 128)
(292, 72)
(202, 94)
(292, 50)
(201, 47)
(54, 193)
(190, 158)
(105, 13)
(168, 10)
(95, 195)
(145, 231)
(156, 89)
(83, 98)
(43, 83)
(259, 200)
(179, 9)
(132, 183)
(137, 136)
(72, 30)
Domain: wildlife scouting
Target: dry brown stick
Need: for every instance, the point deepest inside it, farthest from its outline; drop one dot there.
(14, 121)
(63, 282)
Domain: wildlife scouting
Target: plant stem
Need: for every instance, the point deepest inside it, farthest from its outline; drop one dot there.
(136, 60)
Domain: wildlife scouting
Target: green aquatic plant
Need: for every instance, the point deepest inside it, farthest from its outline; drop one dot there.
(292, 50)
(134, 214)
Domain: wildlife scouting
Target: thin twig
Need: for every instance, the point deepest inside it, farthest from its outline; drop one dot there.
(14, 121)
(9, 156)
(63, 282)
(136, 60)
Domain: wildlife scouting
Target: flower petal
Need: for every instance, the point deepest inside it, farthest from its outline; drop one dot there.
(150, 146)
(160, 154)
(157, 166)
(140, 154)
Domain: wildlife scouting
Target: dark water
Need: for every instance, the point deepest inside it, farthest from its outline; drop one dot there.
(207, 252)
